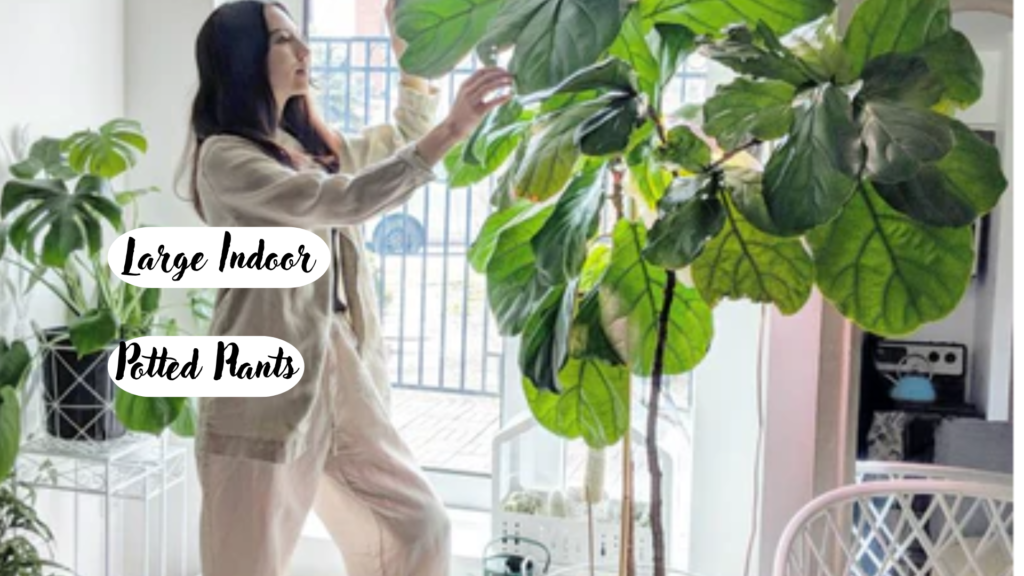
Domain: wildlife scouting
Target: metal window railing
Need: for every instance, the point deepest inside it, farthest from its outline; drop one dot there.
(432, 305)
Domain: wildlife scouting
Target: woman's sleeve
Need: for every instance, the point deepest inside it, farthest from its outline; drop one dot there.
(256, 190)
(413, 118)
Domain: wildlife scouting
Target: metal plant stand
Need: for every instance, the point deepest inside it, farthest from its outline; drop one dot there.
(131, 471)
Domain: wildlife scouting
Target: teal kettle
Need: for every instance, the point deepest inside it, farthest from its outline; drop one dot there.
(913, 387)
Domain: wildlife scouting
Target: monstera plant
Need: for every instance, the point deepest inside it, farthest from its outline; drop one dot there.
(831, 160)
(53, 211)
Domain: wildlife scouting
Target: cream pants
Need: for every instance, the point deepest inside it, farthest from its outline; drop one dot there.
(358, 475)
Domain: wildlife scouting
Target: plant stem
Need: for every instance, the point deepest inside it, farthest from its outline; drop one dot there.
(653, 464)
(617, 176)
(627, 557)
(728, 155)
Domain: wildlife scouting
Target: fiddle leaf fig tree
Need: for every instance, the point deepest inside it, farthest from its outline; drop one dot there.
(831, 159)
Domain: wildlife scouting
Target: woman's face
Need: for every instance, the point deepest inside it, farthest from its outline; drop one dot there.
(288, 56)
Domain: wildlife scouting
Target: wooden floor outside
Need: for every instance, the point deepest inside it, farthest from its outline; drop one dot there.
(447, 431)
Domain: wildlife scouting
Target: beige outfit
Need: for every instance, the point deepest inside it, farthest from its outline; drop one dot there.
(327, 443)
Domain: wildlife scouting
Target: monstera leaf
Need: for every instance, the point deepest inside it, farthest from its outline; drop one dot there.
(69, 220)
(107, 153)
(886, 272)
(711, 16)
(593, 404)
(632, 296)
(45, 156)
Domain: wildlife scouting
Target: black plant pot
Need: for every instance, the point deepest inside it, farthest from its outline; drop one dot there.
(77, 392)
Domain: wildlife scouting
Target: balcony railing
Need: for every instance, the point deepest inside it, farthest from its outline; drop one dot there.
(432, 305)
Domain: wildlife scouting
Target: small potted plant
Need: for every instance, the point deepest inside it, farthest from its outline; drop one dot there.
(52, 217)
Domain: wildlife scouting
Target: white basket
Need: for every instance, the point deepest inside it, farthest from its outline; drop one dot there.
(567, 538)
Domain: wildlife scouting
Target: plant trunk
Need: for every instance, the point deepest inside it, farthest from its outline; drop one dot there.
(627, 558)
(653, 463)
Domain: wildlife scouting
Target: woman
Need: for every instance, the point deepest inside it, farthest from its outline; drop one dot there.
(262, 157)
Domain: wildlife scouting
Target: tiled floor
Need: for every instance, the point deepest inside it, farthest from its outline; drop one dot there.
(447, 431)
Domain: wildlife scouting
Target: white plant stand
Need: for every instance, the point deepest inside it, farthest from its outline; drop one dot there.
(122, 497)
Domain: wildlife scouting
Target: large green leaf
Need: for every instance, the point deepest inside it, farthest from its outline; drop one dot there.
(108, 152)
(632, 296)
(562, 37)
(594, 403)
(551, 156)
(15, 361)
(68, 220)
(758, 52)
(93, 332)
(146, 413)
(743, 262)
(545, 345)
(965, 184)
(44, 156)
(647, 176)
(886, 272)
(462, 174)
(10, 429)
(440, 33)
(884, 26)
(500, 124)
(671, 43)
(743, 110)
(595, 266)
(483, 247)
(587, 338)
(561, 244)
(746, 189)
(690, 216)
(952, 58)
(711, 16)
(632, 46)
(185, 424)
(685, 150)
(900, 78)
(506, 26)
(809, 178)
(610, 75)
(821, 50)
(608, 130)
(900, 139)
(514, 287)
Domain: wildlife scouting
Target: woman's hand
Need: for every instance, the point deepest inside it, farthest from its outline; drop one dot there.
(470, 107)
(466, 113)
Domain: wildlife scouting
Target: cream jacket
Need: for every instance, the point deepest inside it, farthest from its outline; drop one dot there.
(239, 185)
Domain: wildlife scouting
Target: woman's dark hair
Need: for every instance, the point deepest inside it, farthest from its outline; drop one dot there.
(235, 96)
